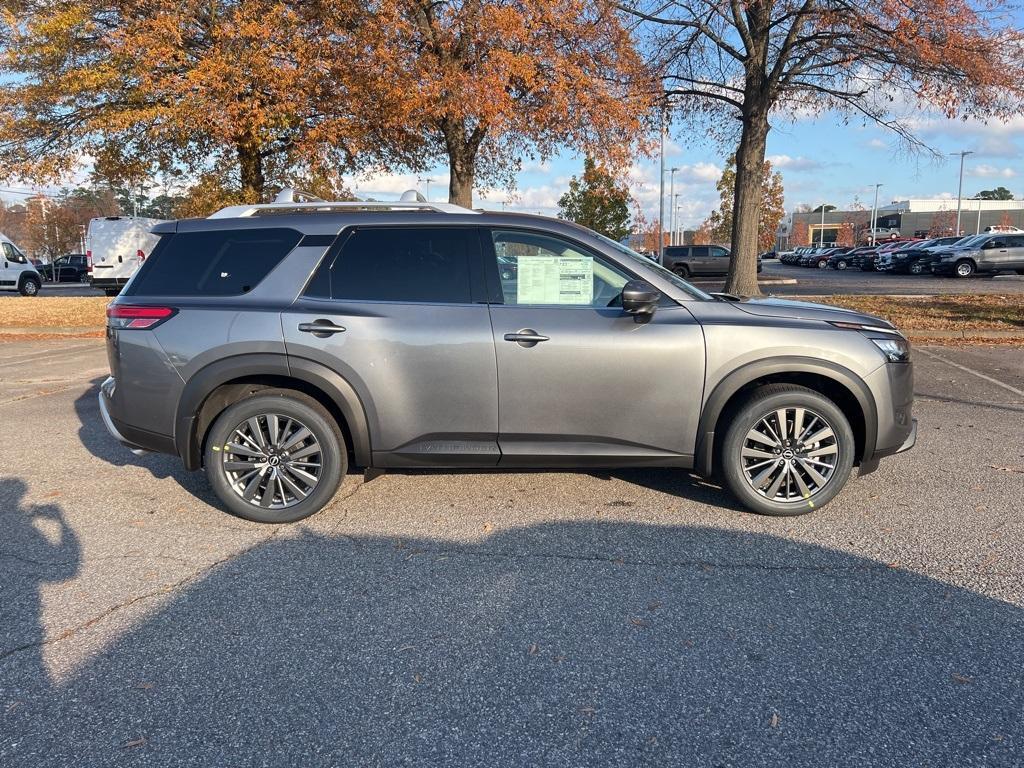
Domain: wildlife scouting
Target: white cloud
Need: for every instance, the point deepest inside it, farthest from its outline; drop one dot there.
(797, 164)
(876, 144)
(985, 171)
(385, 185)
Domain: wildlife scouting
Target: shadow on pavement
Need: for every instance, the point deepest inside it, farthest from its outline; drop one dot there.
(556, 644)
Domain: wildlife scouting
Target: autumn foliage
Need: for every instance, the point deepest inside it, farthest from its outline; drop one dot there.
(253, 94)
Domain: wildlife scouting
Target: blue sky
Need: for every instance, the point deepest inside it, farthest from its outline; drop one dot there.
(821, 160)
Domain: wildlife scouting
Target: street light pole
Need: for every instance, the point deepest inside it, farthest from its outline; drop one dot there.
(676, 234)
(874, 215)
(960, 187)
(672, 214)
(821, 232)
(661, 195)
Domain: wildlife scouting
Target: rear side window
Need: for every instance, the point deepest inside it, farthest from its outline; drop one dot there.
(217, 263)
(405, 264)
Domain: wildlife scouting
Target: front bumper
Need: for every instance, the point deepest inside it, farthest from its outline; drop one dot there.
(106, 392)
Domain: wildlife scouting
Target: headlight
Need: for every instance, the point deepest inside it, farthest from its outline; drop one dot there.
(895, 350)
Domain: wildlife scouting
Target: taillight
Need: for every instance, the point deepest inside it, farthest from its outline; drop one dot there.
(140, 255)
(138, 318)
(88, 261)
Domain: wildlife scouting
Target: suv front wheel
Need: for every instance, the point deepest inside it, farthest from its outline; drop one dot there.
(787, 451)
(276, 457)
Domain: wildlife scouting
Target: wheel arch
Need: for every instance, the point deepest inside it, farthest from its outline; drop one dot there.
(841, 385)
(218, 385)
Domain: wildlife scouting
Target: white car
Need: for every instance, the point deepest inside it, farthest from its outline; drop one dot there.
(17, 273)
(115, 247)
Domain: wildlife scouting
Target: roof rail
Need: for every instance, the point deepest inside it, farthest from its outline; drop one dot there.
(285, 202)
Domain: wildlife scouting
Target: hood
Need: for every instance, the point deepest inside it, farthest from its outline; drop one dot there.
(805, 310)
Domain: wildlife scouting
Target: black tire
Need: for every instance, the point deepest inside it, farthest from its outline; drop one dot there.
(965, 268)
(915, 269)
(683, 272)
(308, 413)
(822, 264)
(83, 277)
(29, 286)
(111, 291)
(841, 264)
(764, 402)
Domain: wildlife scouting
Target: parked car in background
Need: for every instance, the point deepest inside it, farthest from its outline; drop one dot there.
(700, 260)
(115, 247)
(930, 255)
(841, 260)
(71, 268)
(276, 345)
(907, 258)
(864, 258)
(821, 259)
(17, 273)
(987, 254)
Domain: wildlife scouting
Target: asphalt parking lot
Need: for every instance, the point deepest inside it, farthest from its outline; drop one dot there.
(482, 619)
(827, 282)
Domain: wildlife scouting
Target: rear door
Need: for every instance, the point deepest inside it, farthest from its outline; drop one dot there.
(699, 261)
(400, 313)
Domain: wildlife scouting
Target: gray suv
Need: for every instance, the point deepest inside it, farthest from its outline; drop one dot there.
(983, 254)
(276, 346)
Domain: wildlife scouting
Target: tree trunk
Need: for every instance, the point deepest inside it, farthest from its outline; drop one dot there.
(462, 166)
(250, 166)
(746, 210)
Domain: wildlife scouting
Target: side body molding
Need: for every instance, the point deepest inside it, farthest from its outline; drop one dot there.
(731, 384)
(205, 381)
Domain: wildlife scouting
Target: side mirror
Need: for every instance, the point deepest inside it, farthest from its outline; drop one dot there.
(640, 298)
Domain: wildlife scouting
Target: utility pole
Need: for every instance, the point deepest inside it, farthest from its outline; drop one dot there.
(661, 195)
(874, 215)
(426, 188)
(677, 234)
(977, 229)
(821, 232)
(672, 196)
(960, 187)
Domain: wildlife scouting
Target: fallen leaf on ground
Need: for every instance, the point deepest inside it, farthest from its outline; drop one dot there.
(134, 743)
(775, 720)
(962, 679)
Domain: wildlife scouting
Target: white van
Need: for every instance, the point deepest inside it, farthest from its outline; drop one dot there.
(17, 273)
(115, 246)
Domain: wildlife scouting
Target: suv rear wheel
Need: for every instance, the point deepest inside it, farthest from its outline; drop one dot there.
(276, 457)
(683, 272)
(787, 451)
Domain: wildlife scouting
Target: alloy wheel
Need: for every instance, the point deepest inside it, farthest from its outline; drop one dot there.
(790, 454)
(272, 461)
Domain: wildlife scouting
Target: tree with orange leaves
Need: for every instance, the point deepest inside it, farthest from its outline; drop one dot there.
(754, 61)
(482, 84)
(209, 89)
(799, 234)
(844, 237)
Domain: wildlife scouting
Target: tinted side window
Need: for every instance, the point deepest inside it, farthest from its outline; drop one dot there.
(408, 264)
(1015, 241)
(676, 252)
(719, 252)
(699, 251)
(217, 263)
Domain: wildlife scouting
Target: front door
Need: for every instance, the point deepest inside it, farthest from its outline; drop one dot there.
(580, 381)
(393, 310)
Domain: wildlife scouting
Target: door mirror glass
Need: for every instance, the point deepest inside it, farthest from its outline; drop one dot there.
(640, 298)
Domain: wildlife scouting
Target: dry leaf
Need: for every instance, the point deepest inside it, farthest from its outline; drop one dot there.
(417, 677)
(532, 650)
(962, 679)
(775, 720)
(639, 622)
(145, 686)
(654, 605)
(134, 743)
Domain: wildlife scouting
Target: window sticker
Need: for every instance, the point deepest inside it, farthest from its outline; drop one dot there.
(555, 280)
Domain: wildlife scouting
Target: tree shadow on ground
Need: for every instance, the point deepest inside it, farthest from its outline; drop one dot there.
(575, 643)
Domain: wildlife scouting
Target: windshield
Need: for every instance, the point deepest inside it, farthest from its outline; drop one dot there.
(970, 240)
(663, 273)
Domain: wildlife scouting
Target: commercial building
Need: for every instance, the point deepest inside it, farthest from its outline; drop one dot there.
(908, 218)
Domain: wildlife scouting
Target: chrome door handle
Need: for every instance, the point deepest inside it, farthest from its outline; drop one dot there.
(526, 337)
(321, 328)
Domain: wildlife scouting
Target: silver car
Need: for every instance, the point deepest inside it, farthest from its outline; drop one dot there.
(276, 346)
